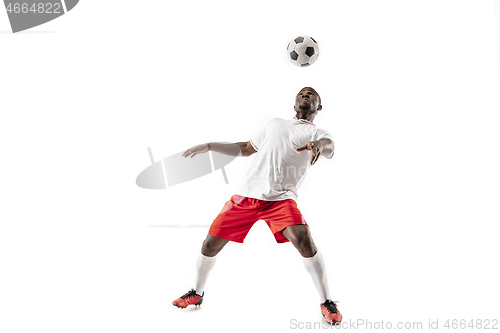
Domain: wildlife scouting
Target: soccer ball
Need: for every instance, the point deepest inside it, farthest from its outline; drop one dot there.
(303, 51)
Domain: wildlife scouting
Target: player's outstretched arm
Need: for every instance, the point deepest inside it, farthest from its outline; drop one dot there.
(232, 149)
(246, 148)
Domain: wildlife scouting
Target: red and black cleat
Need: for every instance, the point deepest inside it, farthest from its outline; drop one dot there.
(191, 297)
(330, 312)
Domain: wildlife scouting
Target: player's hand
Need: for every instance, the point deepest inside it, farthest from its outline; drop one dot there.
(316, 147)
(198, 149)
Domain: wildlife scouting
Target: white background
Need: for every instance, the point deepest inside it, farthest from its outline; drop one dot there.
(406, 213)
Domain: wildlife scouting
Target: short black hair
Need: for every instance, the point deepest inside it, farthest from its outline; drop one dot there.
(314, 91)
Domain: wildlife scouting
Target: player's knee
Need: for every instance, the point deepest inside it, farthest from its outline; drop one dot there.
(209, 249)
(306, 247)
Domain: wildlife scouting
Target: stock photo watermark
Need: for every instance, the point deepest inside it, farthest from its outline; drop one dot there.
(178, 168)
(26, 14)
(454, 324)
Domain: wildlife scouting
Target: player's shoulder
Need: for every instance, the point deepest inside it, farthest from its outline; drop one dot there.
(321, 132)
(276, 121)
(322, 129)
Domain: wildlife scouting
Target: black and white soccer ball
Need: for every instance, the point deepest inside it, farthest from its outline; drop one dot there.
(303, 51)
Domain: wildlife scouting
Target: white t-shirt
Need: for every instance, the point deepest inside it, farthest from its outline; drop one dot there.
(278, 169)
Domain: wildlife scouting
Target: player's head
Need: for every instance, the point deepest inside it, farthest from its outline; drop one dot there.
(307, 101)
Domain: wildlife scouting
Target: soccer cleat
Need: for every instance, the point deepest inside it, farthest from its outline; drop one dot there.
(330, 312)
(191, 297)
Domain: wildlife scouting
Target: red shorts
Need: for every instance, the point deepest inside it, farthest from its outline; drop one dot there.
(240, 213)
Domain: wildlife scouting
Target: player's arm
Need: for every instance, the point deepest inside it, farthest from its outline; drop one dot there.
(323, 146)
(232, 149)
(246, 148)
(328, 146)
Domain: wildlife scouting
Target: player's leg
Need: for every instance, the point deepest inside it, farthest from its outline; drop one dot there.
(206, 260)
(232, 223)
(212, 245)
(300, 236)
(204, 264)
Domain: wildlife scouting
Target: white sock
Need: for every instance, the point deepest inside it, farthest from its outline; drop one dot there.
(204, 265)
(316, 267)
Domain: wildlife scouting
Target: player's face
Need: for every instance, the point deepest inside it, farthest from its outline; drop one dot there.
(306, 100)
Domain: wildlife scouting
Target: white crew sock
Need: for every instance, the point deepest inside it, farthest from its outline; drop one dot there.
(204, 265)
(316, 267)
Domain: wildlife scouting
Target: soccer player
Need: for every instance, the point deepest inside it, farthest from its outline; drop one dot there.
(285, 149)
